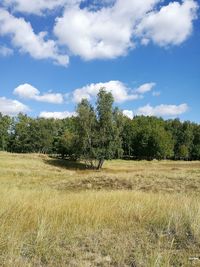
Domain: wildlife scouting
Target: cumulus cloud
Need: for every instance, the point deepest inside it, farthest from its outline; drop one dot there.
(23, 37)
(35, 6)
(104, 33)
(112, 31)
(147, 87)
(171, 25)
(119, 90)
(98, 29)
(11, 107)
(57, 115)
(5, 51)
(27, 91)
(162, 110)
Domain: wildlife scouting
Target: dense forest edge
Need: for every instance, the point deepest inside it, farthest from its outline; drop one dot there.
(101, 133)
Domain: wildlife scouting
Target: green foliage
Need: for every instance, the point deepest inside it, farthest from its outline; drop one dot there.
(128, 137)
(32, 135)
(101, 133)
(5, 123)
(86, 130)
(183, 152)
(150, 139)
(65, 143)
(109, 143)
(20, 140)
(195, 150)
(183, 135)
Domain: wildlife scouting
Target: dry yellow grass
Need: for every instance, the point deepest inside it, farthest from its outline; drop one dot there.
(53, 213)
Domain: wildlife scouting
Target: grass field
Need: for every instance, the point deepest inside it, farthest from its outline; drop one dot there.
(55, 213)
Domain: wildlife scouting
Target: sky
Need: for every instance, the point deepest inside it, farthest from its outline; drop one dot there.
(54, 53)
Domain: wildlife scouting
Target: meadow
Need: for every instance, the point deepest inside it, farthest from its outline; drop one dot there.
(55, 213)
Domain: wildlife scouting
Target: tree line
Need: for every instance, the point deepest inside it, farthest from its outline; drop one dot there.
(101, 133)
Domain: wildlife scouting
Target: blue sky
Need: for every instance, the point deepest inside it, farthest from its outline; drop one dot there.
(145, 52)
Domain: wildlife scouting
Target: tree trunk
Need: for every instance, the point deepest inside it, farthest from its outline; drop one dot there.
(100, 164)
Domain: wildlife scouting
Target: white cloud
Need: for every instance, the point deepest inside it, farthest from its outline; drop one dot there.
(104, 33)
(11, 107)
(27, 91)
(128, 113)
(5, 51)
(171, 25)
(99, 30)
(162, 110)
(112, 31)
(50, 98)
(57, 115)
(36, 6)
(147, 87)
(145, 41)
(23, 37)
(119, 90)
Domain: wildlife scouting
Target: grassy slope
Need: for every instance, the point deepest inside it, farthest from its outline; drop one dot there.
(130, 214)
